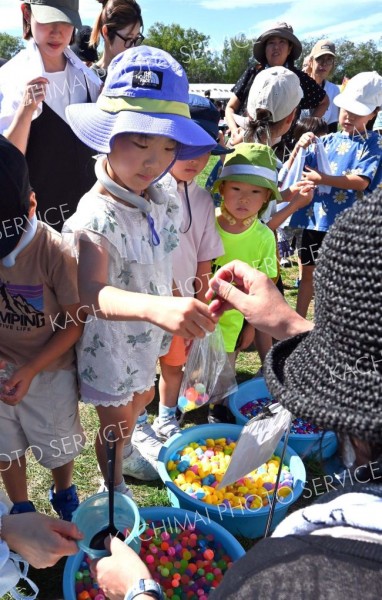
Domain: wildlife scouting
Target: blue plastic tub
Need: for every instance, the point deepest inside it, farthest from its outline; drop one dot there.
(320, 445)
(246, 522)
(171, 518)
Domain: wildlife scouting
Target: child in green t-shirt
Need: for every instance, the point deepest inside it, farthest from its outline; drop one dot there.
(248, 181)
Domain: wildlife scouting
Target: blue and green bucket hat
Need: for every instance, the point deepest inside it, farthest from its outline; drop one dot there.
(251, 163)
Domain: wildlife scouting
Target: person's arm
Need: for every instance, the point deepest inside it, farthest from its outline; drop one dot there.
(39, 539)
(231, 108)
(301, 198)
(257, 298)
(305, 141)
(18, 131)
(118, 573)
(66, 335)
(183, 316)
(343, 182)
(246, 337)
(323, 106)
(203, 273)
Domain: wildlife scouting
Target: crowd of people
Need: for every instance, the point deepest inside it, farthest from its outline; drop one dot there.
(110, 265)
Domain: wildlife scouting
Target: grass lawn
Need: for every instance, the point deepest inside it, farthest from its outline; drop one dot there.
(86, 476)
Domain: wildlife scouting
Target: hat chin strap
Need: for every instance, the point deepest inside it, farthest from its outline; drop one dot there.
(231, 219)
(128, 196)
(28, 235)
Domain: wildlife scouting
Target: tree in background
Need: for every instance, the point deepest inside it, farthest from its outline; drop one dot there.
(190, 48)
(10, 45)
(351, 58)
(203, 65)
(236, 54)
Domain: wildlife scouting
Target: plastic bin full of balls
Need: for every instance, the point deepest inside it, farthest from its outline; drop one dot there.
(192, 465)
(307, 439)
(208, 375)
(187, 555)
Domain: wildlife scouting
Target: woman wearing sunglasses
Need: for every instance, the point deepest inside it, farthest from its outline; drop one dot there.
(119, 24)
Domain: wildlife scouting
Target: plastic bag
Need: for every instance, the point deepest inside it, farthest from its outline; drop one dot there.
(208, 374)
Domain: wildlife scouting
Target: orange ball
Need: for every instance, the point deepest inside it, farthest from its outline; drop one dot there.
(191, 394)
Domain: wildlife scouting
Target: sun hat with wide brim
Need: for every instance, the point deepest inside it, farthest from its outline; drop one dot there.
(332, 376)
(282, 30)
(56, 11)
(255, 164)
(145, 92)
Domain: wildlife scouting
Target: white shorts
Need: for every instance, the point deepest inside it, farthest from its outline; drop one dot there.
(46, 421)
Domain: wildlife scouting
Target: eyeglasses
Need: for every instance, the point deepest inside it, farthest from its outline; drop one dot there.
(325, 60)
(131, 42)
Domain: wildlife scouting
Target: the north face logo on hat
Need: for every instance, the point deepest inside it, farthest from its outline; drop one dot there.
(148, 79)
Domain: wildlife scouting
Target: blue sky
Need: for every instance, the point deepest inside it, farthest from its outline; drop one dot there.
(358, 20)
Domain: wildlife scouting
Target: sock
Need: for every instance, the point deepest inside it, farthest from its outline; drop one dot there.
(127, 450)
(121, 487)
(166, 413)
(142, 418)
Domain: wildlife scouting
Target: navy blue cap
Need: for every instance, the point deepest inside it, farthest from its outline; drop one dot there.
(14, 196)
(204, 112)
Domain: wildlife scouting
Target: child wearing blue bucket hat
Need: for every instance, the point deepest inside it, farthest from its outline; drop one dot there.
(124, 232)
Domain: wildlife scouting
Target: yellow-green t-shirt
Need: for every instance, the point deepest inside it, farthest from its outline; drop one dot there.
(257, 247)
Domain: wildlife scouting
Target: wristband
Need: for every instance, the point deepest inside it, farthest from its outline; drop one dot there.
(145, 586)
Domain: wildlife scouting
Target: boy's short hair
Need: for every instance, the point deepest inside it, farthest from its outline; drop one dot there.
(362, 94)
(15, 192)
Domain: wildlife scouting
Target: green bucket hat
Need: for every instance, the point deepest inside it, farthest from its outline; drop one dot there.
(251, 163)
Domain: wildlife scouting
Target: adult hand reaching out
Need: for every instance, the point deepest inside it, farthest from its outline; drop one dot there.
(237, 285)
(39, 539)
(117, 573)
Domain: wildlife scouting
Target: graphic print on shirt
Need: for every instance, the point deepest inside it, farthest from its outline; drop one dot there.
(21, 306)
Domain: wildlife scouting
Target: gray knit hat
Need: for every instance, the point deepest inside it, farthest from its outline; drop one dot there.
(332, 375)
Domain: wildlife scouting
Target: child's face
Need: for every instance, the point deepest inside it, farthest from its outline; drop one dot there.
(353, 124)
(243, 200)
(136, 160)
(51, 38)
(186, 170)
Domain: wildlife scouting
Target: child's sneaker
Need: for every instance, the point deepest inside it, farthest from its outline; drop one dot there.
(64, 502)
(145, 439)
(166, 429)
(22, 507)
(135, 465)
(219, 413)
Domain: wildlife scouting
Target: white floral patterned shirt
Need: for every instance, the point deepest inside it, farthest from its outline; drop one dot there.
(118, 358)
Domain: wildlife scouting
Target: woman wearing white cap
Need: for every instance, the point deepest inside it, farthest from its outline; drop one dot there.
(35, 88)
(276, 47)
(320, 66)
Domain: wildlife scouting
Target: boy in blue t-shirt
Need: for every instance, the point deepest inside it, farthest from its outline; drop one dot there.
(355, 159)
